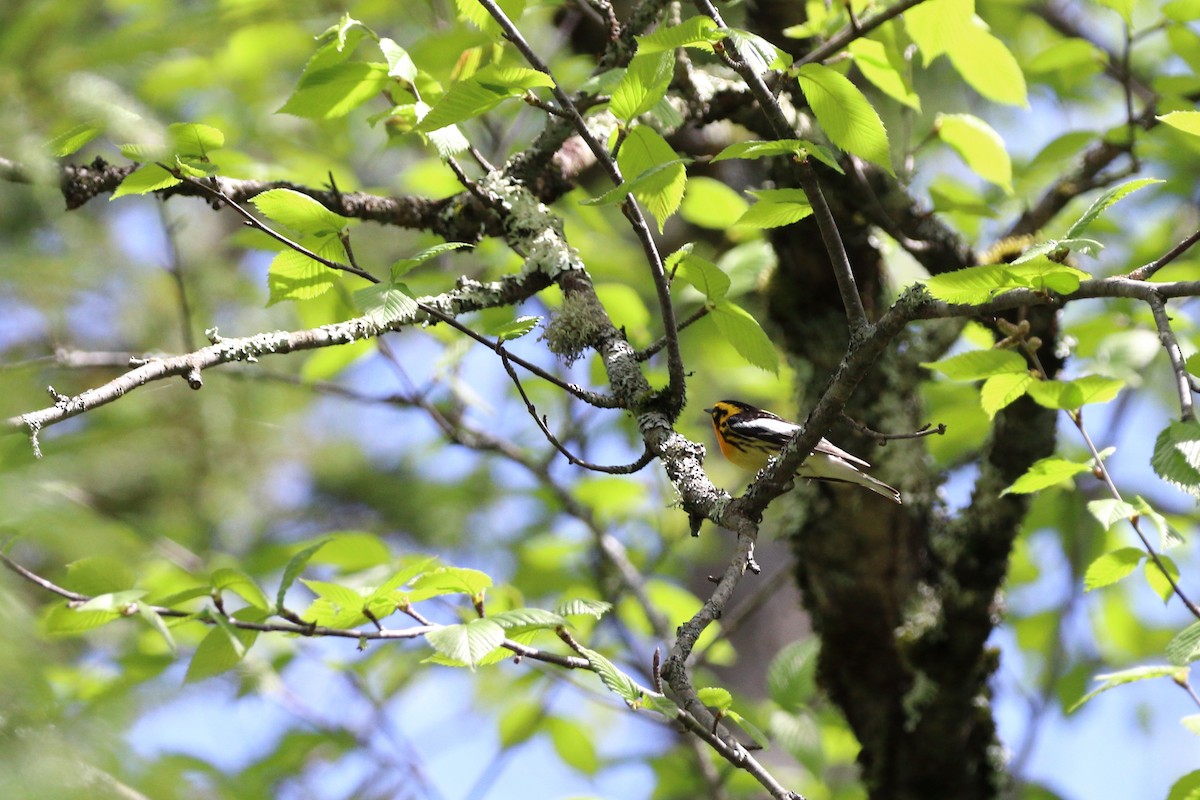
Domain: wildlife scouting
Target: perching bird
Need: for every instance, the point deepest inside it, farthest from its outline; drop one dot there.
(749, 436)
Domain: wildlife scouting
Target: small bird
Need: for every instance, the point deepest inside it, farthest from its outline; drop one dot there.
(749, 436)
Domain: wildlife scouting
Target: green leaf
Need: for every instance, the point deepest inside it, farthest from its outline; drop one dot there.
(1000, 391)
(386, 302)
(845, 114)
(294, 276)
(400, 64)
(299, 212)
(99, 575)
(143, 180)
(514, 329)
(988, 66)
(969, 285)
(644, 153)
(1184, 648)
(709, 203)
(1187, 787)
(978, 364)
(519, 620)
(1176, 457)
(63, 620)
(1158, 581)
(295, 566)
(192, 139)
(871, 58)
(791, 675)
(1122, 7)
(748, 338)
(406, 265)
(616, 680)
(519, 721)
(692, 32)
(766, 149)
(1105, 200)
(1108, 512)
(1186, 121)
(645, 82)
(223, 647)
(776, 208)
(241, 584)
(649, 179)
(452, 580)
(1111, 567)
(1044, 473)
(71, 141)
(574, 744)
(715, 697)
(705, 276)
(337, 90)
(155, 621)
(1043, 275)
(583, 607)
(467, 642)
(1114, 679)
(482, 92)
(935, 25)
(473, 12)
(759, 54)
(1071, 395)
(1168, 537)
(978, 145)
(760, 738)
(118, 602)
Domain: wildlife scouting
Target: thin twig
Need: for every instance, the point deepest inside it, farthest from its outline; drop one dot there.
(1145, 273)
(625, 469)
(883, 438)
(1167, 337)
(855, 30)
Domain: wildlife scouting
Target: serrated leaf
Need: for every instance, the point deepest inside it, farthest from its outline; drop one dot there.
(193, 139)
(400, 64)
(299, 212)
(451, 580)
(156, 622)
(583, 607)
(1109, 511)
(760, 738)
(1000, 391)
(524, 619)
(758, 53)
(650, 178)
(988, 66)
(64, 621)
(1184, 647)
(1158, 581)
(476, 14)
(295, 566)
(222, 648)
(715, 697)
(1168, 537)
(1044, 473)
(241, 584)
(763, 149)
(1112, 567)
(1071, 395)
(514, 329)
(871, 58)
(1114, 679)
(661, 176)
(704, 276)
(845, 114)
(405, 265)
(337, 90)
(386, 302)
(978, 145)
(746, 336)
(616, 680)
(776, 208)
(1176, 457)
(644, 83)
(969, 285)
(1105, 200)
(336, 606)
(1043, 275)
(71, 141)
(467, 642)
(143, 180)
(936, 24)
(294, 276)
(692, 32)
(978, 364)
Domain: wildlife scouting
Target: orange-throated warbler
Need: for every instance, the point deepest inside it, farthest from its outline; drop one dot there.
(749, 436)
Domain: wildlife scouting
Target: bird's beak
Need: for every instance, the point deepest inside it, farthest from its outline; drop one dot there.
(708, 411)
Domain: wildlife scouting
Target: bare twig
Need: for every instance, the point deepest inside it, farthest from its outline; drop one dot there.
(883, 438)
(1145, 273)
(1169, 343)
(855, 30)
